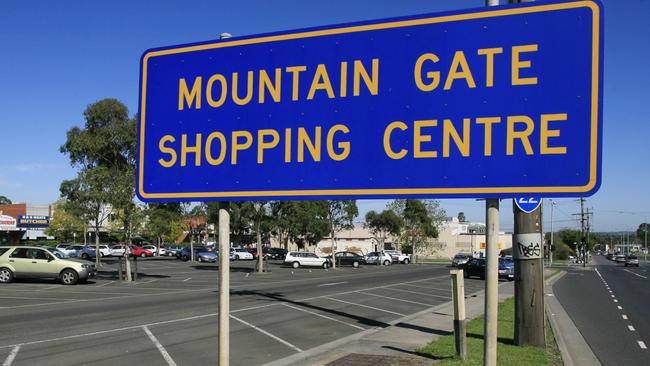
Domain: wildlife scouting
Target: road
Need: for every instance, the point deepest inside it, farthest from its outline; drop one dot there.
(609, 305)
(169, 317)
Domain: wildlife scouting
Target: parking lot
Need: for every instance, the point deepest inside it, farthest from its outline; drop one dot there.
(169, 317)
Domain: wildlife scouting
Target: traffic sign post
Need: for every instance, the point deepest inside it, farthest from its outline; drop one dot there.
(485, 103)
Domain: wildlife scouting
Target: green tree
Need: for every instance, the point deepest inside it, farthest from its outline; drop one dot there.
(642, 232)
(104, 152)
(164, 222)
(383, 224)
(64, 225)
(4, 200)
(461, 217)
(422, 218)
(339, 215)
(300, 222)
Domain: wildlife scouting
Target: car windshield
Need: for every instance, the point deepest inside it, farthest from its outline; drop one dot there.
(632, 257)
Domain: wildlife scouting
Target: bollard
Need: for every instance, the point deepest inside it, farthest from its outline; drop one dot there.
(460, 323)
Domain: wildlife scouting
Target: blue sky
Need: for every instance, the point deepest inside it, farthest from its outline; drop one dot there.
(58, 57)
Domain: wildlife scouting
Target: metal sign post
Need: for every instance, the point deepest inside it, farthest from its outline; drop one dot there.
(491, 281)
(224, 288)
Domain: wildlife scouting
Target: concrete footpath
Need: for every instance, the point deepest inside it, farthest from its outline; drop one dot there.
(394, 345)
(575, 350)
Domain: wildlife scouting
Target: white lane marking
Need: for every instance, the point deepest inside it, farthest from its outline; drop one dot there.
(267, 333)
(105, 284)
(612, 296)
(364, 306)
(187, 279)
(631, 328)
(619, 307)
(49, 287)
(332, 284)
(12, 355)
(642, 344)
(615, 300)
(395, 299)
(324, 316)
(634, 273)
(624, 316)
(33, 298)
(161, 349)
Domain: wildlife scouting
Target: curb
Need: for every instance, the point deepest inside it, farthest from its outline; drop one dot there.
(574, 349)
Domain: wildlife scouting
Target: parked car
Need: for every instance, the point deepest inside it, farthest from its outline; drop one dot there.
(305, 259)
(87, 252)
(118, 250)
(632, 260)
(610, 256)
(253, 252)
(276, 253)
(475, 267)
(619, 259)
(401, 257)
(154, 249)
(347, 259)
(460, 259)
(379, 257)
(137, 251)
(185, 254)
(240, 254)
(171, 250)
(33, 262)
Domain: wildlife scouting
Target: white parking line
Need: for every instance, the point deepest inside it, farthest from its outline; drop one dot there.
(395, 299)
(624, 316)
(332, 284)
(364, 306)
(187, 279)
(417, 293)
(642, 345)
(267, 333)
(12, 355)
(631, 328)
(634, 273)
(619, 307)
(105, 284)
(324, 316)
(615, 300)
(427, 288)
(161, 349)
(139, 282)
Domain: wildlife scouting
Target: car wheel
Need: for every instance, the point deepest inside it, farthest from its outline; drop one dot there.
(295, 264)
(325, 265)
(406, 261)
(6, 275)
(355, 264)
(200, 260)
(69, 277)
(85, 256)
(483, 276)
(236, 257)
(465, 274)
(143, 255)
(386, 262)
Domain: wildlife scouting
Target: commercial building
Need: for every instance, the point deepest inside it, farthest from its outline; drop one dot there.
(24, 221)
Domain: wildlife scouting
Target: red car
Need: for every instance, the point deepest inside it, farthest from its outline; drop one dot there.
(136, 251)
(253, 251)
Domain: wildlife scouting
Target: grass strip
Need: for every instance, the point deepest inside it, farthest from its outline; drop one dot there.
(508, 353)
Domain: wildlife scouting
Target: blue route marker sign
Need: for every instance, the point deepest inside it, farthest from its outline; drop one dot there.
(528, 204)
(491, 102)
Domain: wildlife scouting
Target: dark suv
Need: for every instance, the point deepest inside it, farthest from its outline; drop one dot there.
(476, 268)
(275, 253)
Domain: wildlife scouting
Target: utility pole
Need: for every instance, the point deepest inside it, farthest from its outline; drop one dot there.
(529, 277)
(582, 250)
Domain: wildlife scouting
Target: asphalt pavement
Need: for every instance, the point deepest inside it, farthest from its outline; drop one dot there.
(169, 317)
(608, 303)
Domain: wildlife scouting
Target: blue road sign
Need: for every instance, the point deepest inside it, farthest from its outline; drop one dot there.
(490, 102)
(528, 204)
